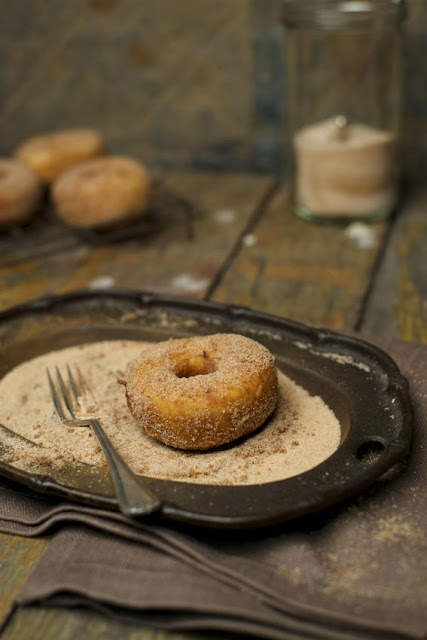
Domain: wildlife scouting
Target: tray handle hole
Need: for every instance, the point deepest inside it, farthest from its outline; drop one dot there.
(370, 451)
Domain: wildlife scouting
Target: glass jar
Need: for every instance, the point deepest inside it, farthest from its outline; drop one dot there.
(344, 60)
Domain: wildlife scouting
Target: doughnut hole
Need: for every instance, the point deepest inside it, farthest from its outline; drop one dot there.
(196, 365)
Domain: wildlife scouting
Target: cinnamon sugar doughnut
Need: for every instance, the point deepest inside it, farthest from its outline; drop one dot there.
(51, 154)
(20, 192)
(101, 191)
(203, 392)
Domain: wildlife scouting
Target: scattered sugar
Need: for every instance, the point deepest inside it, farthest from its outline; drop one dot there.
(102, 282)
(302, 432)
(396, 528)
(249, 240)
(189, 282)
(363, 235)
(225, 216)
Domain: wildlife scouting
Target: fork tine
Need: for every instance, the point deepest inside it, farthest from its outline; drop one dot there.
(82, 380)
(65, 394)
(54, 396)
(132, 496)
(73, 384)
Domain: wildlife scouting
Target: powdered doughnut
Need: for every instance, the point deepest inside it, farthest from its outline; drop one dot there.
(51, 154)
(102, 191)
(20, 192)
(202, 392)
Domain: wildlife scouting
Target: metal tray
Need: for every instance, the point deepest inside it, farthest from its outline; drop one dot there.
(359, 382)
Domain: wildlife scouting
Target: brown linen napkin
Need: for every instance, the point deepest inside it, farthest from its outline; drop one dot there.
(358, 570)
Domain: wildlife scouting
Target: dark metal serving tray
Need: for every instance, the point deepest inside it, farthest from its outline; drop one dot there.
(359, 382)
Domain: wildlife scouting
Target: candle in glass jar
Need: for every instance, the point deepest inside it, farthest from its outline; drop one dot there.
(345, 170)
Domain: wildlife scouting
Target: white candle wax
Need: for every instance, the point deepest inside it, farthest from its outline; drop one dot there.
(345, 171)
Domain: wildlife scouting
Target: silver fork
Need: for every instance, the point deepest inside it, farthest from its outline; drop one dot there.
(133, 497)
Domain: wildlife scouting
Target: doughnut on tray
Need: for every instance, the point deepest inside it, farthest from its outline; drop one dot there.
(358, 381)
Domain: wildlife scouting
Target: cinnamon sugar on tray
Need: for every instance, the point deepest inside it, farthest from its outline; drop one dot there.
(302, 432)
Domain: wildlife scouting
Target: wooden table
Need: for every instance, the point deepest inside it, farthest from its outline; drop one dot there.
(224, 237)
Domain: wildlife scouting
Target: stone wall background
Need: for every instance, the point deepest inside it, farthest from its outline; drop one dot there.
(188, 83)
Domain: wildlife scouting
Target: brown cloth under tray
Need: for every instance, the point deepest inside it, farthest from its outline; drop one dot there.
(358, 570)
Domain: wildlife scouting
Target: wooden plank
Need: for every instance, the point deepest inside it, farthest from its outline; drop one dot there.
(18, 558)
(308, 272)
(397, 306)
(21, 44)
(42, 235)
(66, 624)
(179, 83)
(166, 81)
(201, 217)
(57, 624)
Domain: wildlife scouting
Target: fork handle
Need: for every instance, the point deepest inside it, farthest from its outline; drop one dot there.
(133, 497)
